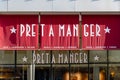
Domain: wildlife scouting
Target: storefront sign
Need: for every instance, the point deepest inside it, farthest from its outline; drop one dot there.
(18, 32)
(100, 32)
(59, 32)
(61, 58)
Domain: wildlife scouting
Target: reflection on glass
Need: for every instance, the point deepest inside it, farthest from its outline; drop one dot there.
(98, 73)
(114, 72)
(102, 75)
(75, 76)
(8, 73)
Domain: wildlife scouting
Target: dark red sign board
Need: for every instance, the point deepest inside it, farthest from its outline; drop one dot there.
(100, 32)
(18, 32)
(59, 32)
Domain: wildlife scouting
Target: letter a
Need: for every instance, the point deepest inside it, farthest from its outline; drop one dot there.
(51, 33)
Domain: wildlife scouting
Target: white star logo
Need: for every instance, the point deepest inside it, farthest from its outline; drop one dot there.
(24, 59)
(13, 30)
(96, 58)
(107, 30)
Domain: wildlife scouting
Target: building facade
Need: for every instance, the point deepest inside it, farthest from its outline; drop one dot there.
(56, 40)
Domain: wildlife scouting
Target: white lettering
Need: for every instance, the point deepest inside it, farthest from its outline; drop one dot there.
(22, 29)
(42, 57)
(34, 57)
(53, 59)
(27, 30)
(51, 32)
(85, 58)
(66, 59)
(91, 28)
(80, 54)
(85, 32)
(33, 33)
(42, 25)
(38, 58)
(71, 58)
(69, 31)
(61, 30)
(60, 58)
(47, 57)
(75, 30)
(97, 30)
(76, 60)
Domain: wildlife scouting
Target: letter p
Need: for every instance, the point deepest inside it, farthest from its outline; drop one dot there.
(22, 29)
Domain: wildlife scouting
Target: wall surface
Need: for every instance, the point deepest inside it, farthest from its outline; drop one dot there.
(60, 5)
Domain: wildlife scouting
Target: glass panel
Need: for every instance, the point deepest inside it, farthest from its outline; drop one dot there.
(98, 72)
(60, 65)
(79, 72)
(98, 56)
(9, 72)
(24, 66)
(24, 57)
(42, 61)
(42, 72)
(6, 57)
(114, 55)
(114, 71)
(23, 72)
(60, 72)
